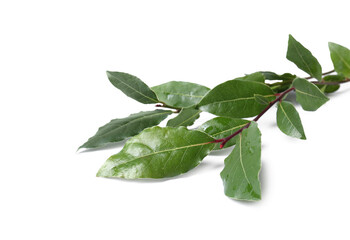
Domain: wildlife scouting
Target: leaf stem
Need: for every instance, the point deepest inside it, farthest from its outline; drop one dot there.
(279, 96)
(167, 106)
(323, 74)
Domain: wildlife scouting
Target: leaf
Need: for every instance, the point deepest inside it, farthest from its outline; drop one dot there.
(241, 172)
(331, 78)
(235, 98)
(261, 99)
(341, 58)
(157, 153)
(122, 128)
(221, 127)
(274, 76)
(308, 95)
(288, 120)
(132, 87)
(303, 58)
(186, 117)
(255, 77)
(180, 94)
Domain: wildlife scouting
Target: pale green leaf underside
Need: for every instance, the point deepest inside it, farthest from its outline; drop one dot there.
(132, 87)
(221, 127)
(303, 58)
(122, 128)
(288, 120)
(341, 58)
(308, 95)
(180, 94)
(186, 117)
(157, 153)
(235, 98)
(241, 172)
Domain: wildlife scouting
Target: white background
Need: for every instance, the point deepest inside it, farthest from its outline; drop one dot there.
(55, 94)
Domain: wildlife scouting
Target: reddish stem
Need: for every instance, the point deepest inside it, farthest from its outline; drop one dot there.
(226, 139)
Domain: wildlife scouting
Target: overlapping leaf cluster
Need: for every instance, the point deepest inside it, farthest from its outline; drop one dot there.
(155, 152)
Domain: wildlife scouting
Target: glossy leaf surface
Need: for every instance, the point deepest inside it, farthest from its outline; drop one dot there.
(132, 87)
(157, 153)
(122, 128)
(341, 58)
(186, 117)
(180, 94)
(241, 172)
(303, 58)
(221, 127)
(235, 98)
(288, 120)
(308, 95)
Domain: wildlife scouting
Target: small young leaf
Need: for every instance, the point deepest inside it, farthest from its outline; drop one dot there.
(274, 76)
(180, 94)
(132, 87)
(288, 120)
(341, 58)
(255, 77)
(308, 95)
(157, 153)
(186, 117)
(241, 172)
(122, 128)
(303, 58)
(261, 99)
(235, 98)
(221, 127)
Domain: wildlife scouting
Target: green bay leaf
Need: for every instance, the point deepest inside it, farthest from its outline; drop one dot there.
(158, 153)
(308, 95)
(180, 94)
(255, 77)
(235, 98)
(303, 58)
(122, 128)
(331, 88)
(132, 87)
(186, 117)
(241, 172)
(341, 58)
(273, 76)
(221, 127)
(288, 120)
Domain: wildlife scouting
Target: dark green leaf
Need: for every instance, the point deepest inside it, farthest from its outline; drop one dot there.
(186, 117)
(308, 95)
(157, 153)
(274, 76)
(303, 58)
(122, 128)
(331, 88)
(241, 172)
(235, 98)
(180, 94)
(132, 87)
(341, 58)
(221, 127)
(261, 99)
(288, 120)
(255, 77)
